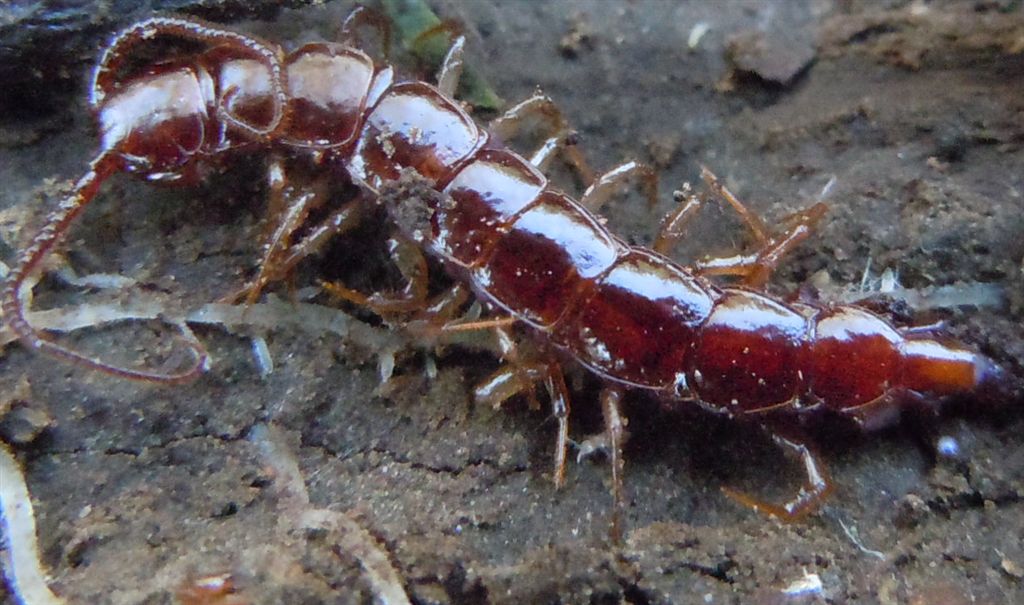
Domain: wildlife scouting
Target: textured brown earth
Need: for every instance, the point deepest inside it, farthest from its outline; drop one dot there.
(914, 109)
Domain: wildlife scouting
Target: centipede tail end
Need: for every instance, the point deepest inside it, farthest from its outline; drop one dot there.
(940, 369)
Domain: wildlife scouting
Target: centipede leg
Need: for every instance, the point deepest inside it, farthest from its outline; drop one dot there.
(614, 426)
(610, 182)
(771, 256)
(673, 226)
(443, 309)
(441, 317)
(364, 16)
(277, 203)
(886, 410)
(753, 222)
(560, 137)
(516, 377)
(451, 68)
(815, 489)
(412, 264)
(519, 377)
(756, 269)
(753, 268)
(288, 209)
(559, 394)
(341, 220)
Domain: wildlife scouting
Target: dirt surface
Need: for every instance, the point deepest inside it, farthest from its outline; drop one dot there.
(915, 110)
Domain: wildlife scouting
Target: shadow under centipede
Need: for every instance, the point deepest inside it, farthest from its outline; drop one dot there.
(359, 260)
(710, 452)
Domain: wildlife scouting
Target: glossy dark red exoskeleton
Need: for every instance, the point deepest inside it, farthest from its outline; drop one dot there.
(538, 257)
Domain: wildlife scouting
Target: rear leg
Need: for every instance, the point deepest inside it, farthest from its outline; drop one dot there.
(429, 318)
(674, 224)
(610, 442)
(815, 489)
(560, 139)
(518, 376)
(450, 73)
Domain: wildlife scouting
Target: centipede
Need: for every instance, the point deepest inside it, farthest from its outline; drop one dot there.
(543, 263)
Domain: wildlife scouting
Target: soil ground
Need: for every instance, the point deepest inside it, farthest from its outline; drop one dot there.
(914, 109)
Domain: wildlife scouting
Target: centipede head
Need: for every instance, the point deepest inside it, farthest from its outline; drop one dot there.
(159, 120)
(162, 116)
(156, 124)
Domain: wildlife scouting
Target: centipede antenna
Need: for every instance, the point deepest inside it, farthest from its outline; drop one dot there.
(53, 231)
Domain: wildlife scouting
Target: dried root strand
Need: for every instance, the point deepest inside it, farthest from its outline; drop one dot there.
(353, 541)
(273, 314)
(20, 561)
(979, 295)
